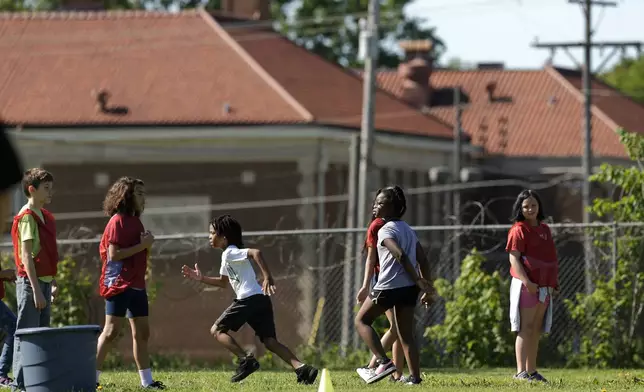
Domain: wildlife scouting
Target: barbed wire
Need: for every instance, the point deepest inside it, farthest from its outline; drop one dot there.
(566, 177)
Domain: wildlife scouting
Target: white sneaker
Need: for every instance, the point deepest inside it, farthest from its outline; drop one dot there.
(365, 373)
(382, 371)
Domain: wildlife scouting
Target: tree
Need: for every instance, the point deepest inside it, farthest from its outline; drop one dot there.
(458, 64)
(611, 319)
(49, 5)
(628, 77)
(317, 26)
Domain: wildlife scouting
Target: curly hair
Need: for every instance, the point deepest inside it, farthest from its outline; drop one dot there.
(227, 226)
(120, 197)
(35, 177)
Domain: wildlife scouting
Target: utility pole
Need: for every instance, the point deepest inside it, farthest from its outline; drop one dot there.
(456, 178)
(586, 135)
(366, 131)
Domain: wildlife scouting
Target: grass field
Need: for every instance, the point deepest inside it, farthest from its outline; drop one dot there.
(437, 380)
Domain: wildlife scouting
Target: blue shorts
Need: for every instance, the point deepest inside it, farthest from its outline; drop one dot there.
(131, 302)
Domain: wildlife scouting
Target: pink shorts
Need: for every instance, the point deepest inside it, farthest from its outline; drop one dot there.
(530, 300)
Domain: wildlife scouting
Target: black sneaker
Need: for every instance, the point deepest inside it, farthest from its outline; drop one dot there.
(247, 366)
(537, 377)
(411, 380)
(155, 385)
(306, 374)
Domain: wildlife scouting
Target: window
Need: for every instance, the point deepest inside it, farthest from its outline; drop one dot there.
(168, 215)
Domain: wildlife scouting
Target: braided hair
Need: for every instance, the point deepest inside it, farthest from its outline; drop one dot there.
(229, 227)
(397, 197)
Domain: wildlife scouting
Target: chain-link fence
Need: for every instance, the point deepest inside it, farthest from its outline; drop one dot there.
(317, 274)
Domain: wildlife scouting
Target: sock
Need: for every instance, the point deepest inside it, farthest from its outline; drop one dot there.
(300, 367)
(146, 377)
(98, 375)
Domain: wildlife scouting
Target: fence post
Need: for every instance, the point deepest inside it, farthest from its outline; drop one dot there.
(613, 260)
(350, 250)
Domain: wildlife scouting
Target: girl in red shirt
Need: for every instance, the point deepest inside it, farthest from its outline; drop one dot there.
(534, 268)
(124, 250)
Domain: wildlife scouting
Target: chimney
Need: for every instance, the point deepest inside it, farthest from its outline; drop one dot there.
(247, 9)
(416, 71)
(490, 88)
(81, 5)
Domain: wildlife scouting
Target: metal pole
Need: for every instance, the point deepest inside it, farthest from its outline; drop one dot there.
(350, 252)
(614, 251)
(456, 176)
(368, 110)
(587, 138)
(321, 216)
(366, 131)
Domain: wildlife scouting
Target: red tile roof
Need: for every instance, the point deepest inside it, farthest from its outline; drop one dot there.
(176, 68)
(163, 67)
(331, 93)
(544, 117)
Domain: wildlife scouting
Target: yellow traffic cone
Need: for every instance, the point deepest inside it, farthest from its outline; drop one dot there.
(325, 382)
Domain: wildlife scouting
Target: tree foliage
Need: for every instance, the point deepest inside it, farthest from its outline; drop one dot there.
(628, 77)
(330, 28)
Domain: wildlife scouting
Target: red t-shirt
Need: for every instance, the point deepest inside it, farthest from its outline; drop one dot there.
(538, 253)
(123, 231)
(372, 236)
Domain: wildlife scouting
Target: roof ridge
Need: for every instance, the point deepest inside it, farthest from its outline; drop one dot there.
(255, 65)
(94, 15)
(552, 71)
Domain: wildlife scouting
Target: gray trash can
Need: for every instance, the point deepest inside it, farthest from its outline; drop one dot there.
(59, 359)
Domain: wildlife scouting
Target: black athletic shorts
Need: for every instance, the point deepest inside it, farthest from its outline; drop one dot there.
(256, 311)
(402, 296)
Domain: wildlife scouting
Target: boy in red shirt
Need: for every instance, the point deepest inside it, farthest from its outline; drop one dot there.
(534, 268)
(124, 250)
(36, 253)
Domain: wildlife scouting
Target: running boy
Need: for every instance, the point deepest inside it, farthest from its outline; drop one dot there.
(252, 304)
(390, 338)
(36, 253)
(124, 252)
(398, 285)
(534, 268)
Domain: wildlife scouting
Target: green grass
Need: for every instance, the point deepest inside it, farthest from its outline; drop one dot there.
(434, 380)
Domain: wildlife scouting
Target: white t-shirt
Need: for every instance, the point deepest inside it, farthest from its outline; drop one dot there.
(392, 274)
(239, 270)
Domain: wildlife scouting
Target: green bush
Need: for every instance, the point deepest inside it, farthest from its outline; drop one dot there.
(76, 290)
(475, 331)
(611, 318)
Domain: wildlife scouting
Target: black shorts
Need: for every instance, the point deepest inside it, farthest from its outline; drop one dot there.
(256, 310)
(400, 297)
(131, 302)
